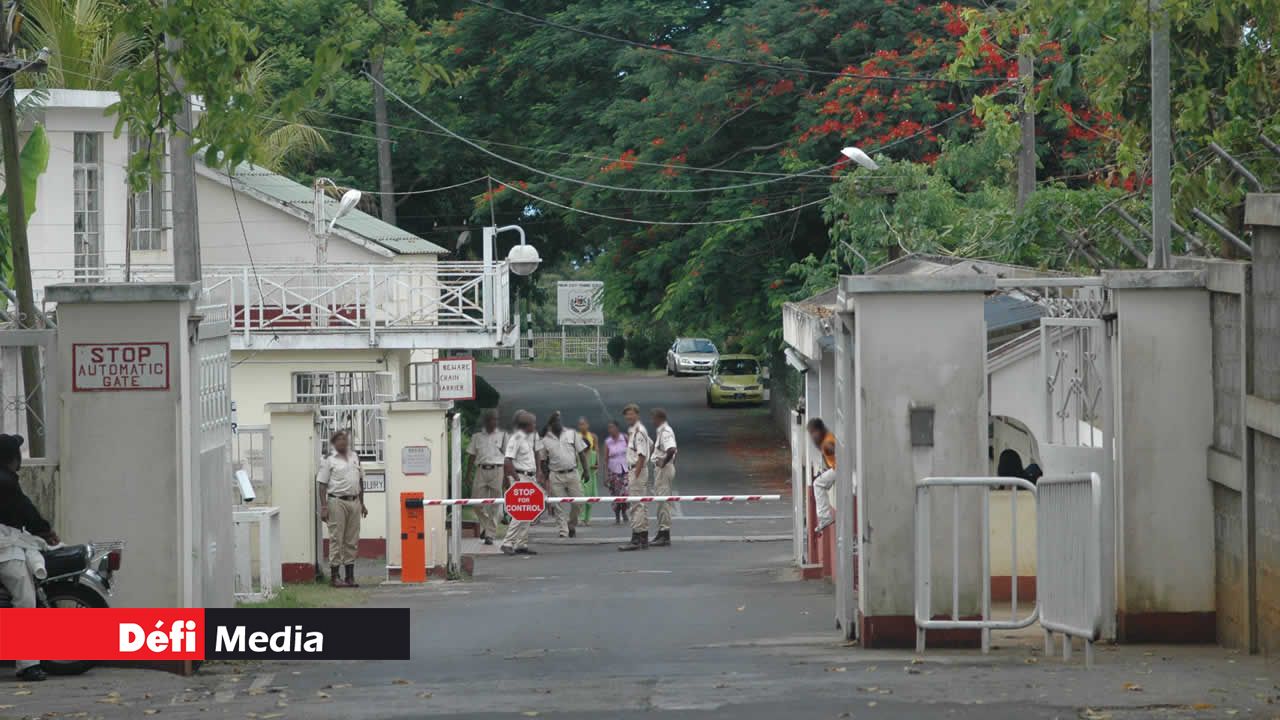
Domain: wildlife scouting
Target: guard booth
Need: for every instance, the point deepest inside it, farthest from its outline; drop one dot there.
(143, 380)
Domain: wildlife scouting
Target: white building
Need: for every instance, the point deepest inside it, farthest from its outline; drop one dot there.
(348, 336)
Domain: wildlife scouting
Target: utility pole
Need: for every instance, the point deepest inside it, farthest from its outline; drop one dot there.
(32, 384)
(1027, 123)
(1161, 139)
(387, 201)
(182, 165)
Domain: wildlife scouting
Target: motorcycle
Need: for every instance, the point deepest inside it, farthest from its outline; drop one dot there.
(79, 576)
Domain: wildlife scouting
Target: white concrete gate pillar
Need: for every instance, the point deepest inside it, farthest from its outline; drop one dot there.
(295, 457)
(131, 414)
(1165, 544)
(912, 364)
(417, 460)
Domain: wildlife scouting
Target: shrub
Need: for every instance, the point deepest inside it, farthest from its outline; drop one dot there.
(617, 347)
(638, 349)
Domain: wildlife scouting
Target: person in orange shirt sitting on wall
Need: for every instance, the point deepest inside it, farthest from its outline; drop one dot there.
(825, 441)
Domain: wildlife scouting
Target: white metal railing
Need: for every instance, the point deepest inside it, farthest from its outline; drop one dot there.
(285, 298)
(258, 574)
(924, 557)
(1068, 559)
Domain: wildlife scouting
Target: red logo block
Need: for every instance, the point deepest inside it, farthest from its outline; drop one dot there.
(102, 634)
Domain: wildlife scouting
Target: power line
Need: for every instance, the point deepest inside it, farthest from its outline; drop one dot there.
(732, 61)
(605, 216)
(428, 191)
(588, 183)
(687, 223)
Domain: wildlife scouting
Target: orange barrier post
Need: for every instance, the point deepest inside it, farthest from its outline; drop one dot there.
(413, 545)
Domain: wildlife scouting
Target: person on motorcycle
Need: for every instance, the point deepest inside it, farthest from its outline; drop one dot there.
(17, 511)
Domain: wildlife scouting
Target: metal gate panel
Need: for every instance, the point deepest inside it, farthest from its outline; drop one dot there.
(1078, 408)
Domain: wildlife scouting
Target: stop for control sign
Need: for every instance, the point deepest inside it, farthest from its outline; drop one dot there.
(525, 501)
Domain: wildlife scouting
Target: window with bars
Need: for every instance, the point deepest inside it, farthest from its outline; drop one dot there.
(149, 204)
(87, 205)
(351, 401)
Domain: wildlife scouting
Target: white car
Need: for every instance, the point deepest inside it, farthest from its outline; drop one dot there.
(691, 356)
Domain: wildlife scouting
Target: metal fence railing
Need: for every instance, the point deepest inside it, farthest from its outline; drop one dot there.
(925, 620)
(1068, 559)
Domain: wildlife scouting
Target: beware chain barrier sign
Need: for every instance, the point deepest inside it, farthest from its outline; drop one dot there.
(525, 501)
(456, 378)
(99, 367)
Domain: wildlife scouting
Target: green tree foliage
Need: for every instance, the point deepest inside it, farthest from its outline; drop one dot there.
(1225, 85)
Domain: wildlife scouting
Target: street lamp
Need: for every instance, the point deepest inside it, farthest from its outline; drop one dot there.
(322, 226)
(523, 258)
(856, 155)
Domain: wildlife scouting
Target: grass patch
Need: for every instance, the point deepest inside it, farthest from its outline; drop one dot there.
(311, 595)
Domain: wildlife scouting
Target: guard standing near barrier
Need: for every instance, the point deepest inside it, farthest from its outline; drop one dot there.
(521, 464)
(341, 495)
(564, 450)
(664, 457)
(485, 458)
(639, 447)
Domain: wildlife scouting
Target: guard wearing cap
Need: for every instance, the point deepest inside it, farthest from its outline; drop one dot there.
(639, 448)
(17, 511)
(521, 464)
(486, 454)
(565, 450)
(664, 466)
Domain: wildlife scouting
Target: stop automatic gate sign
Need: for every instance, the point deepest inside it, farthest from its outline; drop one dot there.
(525, 501)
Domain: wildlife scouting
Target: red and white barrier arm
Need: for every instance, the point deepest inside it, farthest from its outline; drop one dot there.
(614, 499)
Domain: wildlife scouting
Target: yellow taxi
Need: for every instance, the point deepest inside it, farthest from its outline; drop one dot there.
(736, 380)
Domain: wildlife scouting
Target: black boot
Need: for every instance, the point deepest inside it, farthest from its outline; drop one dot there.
(639, 541)
(351, 576)
(334, 579)
(662, 539)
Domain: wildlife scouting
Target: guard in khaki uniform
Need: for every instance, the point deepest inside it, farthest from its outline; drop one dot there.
(485, 457)
(639, 448)
(521, 464)
(664, 466)
(340, 493)
(565, 450)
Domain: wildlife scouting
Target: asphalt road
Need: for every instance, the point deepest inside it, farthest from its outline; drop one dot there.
(717, 626)
(722, 450)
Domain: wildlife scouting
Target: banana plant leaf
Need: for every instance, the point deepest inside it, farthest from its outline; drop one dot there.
(34, 161)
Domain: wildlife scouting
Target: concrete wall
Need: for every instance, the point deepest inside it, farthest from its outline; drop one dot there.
(293, 477)
(1263, 213)
(919, 343)
(266, 376)
(1166, 506)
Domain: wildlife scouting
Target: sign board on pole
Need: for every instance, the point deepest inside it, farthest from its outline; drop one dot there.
(580, 302)
(525, 501)
(415, 460)
(456, 378)
(106, 367)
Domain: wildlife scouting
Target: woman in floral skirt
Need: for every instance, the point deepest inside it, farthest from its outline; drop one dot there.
(616, 454)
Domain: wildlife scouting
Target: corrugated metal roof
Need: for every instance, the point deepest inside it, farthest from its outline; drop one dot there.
(1005, 311)
(359, 223)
